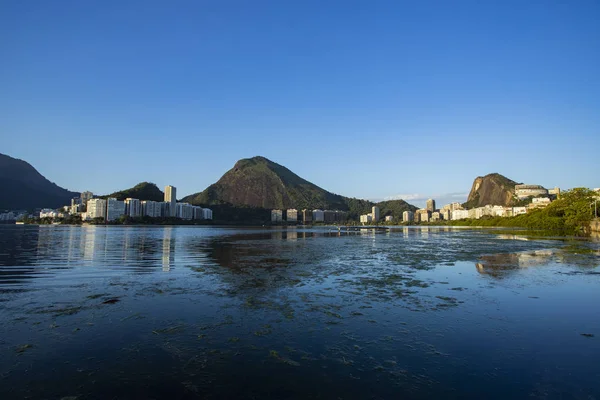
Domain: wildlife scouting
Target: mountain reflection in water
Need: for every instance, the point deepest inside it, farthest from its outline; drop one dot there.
(208, 312)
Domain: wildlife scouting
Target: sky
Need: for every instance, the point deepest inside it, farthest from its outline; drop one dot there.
(369, 99)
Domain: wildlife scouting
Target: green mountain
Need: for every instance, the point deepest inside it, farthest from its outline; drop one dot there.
(492, 189)
(259, 183)
(23, 187)
(141, 191)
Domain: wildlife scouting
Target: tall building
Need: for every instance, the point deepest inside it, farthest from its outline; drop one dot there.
(430, 205)
(85, 197)
(96, 208)
(306, 216)
(375, 213)
(408, 216)
(114, 209)
(133, 207)
(318, 215)
(292, 215)
(207, 213)
(151, 208)
(276, 215)
(185, 211)
(171, 197)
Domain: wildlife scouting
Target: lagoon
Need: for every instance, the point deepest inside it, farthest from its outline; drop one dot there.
(96, 312)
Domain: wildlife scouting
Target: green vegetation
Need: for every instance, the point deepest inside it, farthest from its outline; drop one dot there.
(24, 188)
(569, 215)
(142, 191)
(257, 185)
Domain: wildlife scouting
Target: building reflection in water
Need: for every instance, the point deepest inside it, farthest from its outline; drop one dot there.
(497, 265)
(168, 248)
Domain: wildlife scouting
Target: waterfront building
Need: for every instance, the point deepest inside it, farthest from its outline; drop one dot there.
(307, 216)
(318, 216)
(133, 207)
(85, 197)
(114, 209)
(472, 213)
(150, 208)
(75, 201)
(408, 216)
(76, 209)
(446, 214)
(436, 216)
(171, 198)
(518, 211)
(539, 202)
(460, 214)
(292, 215)
(375, 213)
(499, 211)
(184, 211)
(96, 208)
(197, 212)
(452, 206)
(389, 218)
(49, 213)
(417, 216)
(483, 211)
(424, 215)
(365, 219)
(329, 216)
(207, 213)
(165, 209)
(524, 191)
(341, 216)
(430, 205)
(276, 215)
(554, 192)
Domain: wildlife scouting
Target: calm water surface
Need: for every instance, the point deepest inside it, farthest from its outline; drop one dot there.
(217, 313)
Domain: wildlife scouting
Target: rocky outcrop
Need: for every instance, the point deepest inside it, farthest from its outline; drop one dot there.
(492, 189)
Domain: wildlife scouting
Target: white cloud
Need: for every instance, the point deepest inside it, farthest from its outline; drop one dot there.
(405, 197)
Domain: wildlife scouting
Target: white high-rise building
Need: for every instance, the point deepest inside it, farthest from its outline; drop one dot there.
(207, 213)
(114, 209)
(185, 211)
(96, 208)
(198, 214)
(171, 197)
(375, 213)
(151, 208)
(408, 216)
(133, 207)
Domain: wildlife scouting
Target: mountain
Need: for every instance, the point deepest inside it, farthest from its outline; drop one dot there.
(23, 187)
(260, 183)
(141, 191)
(492, 189)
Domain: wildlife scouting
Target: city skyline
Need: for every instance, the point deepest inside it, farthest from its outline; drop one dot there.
(397, 99)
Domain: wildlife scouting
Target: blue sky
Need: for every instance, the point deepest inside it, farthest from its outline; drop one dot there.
(370, 99)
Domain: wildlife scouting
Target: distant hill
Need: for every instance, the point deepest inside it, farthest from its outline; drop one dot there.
(259, 183)
(395, 208)
(492, 189)
(141, 191)
(23, 187)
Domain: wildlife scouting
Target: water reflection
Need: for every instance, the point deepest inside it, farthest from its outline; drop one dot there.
(324, 314)
(168, 249)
